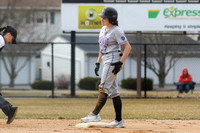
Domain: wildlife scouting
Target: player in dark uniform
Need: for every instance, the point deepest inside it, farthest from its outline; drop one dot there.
(8, 35)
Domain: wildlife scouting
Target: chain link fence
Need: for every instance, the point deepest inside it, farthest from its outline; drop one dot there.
(71, 57)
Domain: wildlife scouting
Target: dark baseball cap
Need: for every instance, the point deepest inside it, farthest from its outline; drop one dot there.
(13, 32)
(109, 12)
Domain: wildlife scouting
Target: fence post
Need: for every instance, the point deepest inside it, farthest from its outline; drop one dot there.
(73, 44)
(52, 70)
(139, 64)
(145, 71)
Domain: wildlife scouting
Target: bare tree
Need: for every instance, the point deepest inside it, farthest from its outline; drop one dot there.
(10, 60)
(163, 52)
(32, 23)
(160, 60)
(25, 21)
(16, 57)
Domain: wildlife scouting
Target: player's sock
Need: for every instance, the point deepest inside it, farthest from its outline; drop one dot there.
(118, 108)
(100, 103)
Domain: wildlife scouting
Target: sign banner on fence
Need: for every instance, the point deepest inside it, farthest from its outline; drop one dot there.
(89, 17)
(133, 17)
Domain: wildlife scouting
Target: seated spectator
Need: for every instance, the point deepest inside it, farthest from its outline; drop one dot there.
(185, 82)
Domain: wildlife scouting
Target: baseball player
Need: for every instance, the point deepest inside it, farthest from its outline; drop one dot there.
(7, 35)
(111, 38)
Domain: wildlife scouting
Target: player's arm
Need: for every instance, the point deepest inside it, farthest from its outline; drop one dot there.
(127, 49)
(122, 40)
(99, 57)
(118, 65)
(98, 64)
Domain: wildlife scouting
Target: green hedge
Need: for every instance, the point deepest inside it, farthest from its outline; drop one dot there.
(89, 83)
(42, 85)
(131, 83)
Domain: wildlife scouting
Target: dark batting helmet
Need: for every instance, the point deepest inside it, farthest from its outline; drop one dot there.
(109, 12)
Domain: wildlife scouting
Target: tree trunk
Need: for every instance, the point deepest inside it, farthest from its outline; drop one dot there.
(161, 81)
(12, 82)
(12, 75)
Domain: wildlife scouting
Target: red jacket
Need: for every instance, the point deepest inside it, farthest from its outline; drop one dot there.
(185, 78)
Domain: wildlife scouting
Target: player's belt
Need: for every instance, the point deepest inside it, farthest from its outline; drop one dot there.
(111, 52)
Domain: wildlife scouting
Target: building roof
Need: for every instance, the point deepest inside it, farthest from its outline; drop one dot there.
(23, 49)
(89, 43)
(31, 3)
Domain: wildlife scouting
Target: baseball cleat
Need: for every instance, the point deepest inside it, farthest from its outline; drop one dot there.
(115, 123)
(91, 118)
(12, 114)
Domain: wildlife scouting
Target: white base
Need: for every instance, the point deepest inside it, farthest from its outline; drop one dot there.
(92, 124)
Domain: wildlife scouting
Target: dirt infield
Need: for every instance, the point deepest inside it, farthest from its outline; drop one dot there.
(68, 126)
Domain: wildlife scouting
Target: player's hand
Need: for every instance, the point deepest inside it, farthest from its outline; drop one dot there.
(117, 67)
(97, 68)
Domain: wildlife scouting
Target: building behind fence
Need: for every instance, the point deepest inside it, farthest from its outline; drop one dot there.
(34, 61)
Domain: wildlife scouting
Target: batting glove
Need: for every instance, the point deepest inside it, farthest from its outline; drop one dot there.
(97, 68)
(118, 67)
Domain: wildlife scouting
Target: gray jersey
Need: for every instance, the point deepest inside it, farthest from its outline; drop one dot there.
(111, 40)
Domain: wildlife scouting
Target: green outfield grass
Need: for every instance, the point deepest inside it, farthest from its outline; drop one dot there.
(75, 108)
